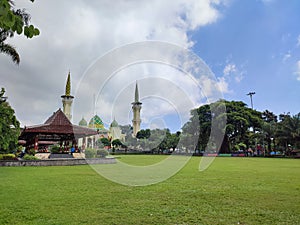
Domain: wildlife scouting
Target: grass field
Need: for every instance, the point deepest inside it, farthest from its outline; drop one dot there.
(230, 191)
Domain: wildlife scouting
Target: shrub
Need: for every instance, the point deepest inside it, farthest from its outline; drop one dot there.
(31, 151)
(240, 146)
(18, 151)
(29, 157)
(101, 153)
(55, 149)
(7, 157)
(90, 153)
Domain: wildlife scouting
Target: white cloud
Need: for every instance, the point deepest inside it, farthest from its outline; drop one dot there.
(229, 68)
(223, 85)
(164, 90)
(232, 74)
(286, 56)
(76, 32)
(231, 71)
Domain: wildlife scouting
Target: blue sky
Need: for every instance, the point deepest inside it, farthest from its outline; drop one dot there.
(250, 45)
(262, 40)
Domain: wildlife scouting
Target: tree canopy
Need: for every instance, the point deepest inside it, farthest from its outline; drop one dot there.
(9, 126)
(14, 21)
(239, 119)
(245, 128)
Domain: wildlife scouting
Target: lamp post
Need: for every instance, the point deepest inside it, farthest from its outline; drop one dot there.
(250, 94)
(256, 147)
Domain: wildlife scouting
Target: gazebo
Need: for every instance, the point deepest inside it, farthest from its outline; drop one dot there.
(56, 129)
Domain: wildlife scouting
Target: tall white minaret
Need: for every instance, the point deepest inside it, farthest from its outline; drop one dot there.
(67, 99)
(136, 108)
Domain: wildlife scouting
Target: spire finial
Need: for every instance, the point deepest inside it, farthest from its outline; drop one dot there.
(68, 85)
(136, 95)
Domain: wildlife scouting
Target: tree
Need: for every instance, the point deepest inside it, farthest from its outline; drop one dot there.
(9, 126)
(269, 127)
(14, 21)
(105, 142)
(116, 143)
(156, 140)
(288, 131)
(238, 117)
(143, 134)
(199, 125)
(268, 116)
(173, 140)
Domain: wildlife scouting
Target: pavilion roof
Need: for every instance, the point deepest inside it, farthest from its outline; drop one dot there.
(56, 127)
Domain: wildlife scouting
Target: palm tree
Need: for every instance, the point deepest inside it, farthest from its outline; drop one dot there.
(7, 48)
(10, 51)
(7, 31)
(269, 130)
(289, 130)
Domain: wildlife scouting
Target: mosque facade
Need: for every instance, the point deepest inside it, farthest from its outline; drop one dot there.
(113, 132)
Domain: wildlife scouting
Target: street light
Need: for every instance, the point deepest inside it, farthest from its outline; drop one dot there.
(250, 94)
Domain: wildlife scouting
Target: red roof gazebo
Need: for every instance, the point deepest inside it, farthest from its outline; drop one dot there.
(57, 128)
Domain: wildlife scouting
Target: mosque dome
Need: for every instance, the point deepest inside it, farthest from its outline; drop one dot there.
(96, 123)
(114, 124)
(83, 122)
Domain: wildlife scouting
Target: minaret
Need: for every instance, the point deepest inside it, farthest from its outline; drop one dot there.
(67, 99)
(136, 108)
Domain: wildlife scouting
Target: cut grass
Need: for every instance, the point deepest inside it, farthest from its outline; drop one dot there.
(230, 191)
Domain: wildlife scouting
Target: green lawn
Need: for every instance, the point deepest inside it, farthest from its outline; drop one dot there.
(230, 191)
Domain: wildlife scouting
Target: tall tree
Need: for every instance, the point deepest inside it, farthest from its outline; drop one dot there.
(238, 118)
(14, 21)
(9, 126)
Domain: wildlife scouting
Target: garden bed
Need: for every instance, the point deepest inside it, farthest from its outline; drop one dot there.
(57, 162)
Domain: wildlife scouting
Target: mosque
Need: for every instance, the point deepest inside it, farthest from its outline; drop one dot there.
(113, 132)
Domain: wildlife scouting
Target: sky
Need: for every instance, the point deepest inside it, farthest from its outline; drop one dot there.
(183, 54)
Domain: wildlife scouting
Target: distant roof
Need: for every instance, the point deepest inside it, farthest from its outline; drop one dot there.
(114, 123)
(56, 127)
(96, 123)
(82, 122)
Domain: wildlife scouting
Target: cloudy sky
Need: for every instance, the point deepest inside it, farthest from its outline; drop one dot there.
(248, 45)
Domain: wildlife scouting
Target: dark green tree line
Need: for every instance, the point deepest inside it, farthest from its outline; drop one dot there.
(244, 128)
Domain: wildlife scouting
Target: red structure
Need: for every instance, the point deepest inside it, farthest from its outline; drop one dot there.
(56, 129)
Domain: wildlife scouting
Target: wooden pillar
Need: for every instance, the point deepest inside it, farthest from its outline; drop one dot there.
(36, 143)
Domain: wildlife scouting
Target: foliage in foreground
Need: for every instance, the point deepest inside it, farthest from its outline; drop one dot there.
(14, 21)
